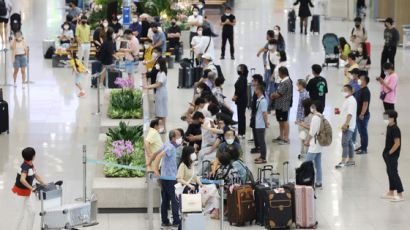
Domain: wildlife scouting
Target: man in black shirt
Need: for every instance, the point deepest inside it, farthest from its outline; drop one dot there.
(228, 21)
(391, 39)
(317, 86)
(391, 155)
(116, 26)
(363, 114)
(174, 35)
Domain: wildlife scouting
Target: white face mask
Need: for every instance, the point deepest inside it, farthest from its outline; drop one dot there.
(105, 24)
(359, 82)
(154, 55)
(66, 27)
(345, 94)
(195, 13)
(227, 14)
(271, 47)
(193, 156)
(200, 33)
(135, 20)
(359, 49)
(157, 66)
(178, 141)
(118, 16)
(351, 77)
(276, 32)
(229, 141)
(312, 110)
(386, 122)
(200, 6)
(146, 46)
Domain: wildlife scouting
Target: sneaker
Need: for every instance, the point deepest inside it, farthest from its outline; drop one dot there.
(283, 142)
(232, 58)
(387, 197)
(81, 94)
(222, 57)
(318, 185)
(102, 86)
(397, 199)
(358, 149)
(166, 225)
(255, 150)
(301, 156)
(350, 163)
(250, 140)
(361, 152)
(15, 85)
(175, 225)
(340, 165)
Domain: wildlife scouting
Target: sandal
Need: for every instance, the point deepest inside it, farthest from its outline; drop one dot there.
(278, 139)
(215, 217)
(260, 161)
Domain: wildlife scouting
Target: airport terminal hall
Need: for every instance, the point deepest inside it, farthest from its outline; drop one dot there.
(204, 114)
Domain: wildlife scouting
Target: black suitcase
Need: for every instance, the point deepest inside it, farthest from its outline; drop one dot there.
(197, 73)
(260, 190)
(292, 21)
(278, 209)
(185, 78)
(289, 187)
(113, 74)
(4, 114)
(315, 24)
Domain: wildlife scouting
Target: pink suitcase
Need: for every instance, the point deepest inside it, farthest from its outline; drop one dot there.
(305, 205)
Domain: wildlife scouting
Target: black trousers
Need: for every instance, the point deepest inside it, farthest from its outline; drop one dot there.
(241, 109)
(392, 172)
(388, 54)
(191, 35)
(227, 36)
(259, 138)
(388, 106)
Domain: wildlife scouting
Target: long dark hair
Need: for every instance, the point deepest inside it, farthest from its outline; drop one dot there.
(244, 70)
(343, 42)
(306, 106)
(364, 48)
(109, 34)
(280, 40)
(162, 65)
(74, 56)
(186, 156)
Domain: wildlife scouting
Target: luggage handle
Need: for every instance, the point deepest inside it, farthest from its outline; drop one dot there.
(262, 173)
(287, 173)
(253, 70)
(272, 174)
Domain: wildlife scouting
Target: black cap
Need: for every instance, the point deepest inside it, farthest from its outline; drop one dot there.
(355, 71)
(389, 20)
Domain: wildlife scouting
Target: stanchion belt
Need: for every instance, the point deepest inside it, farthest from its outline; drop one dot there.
(205, 181)
(122, 65)
(4, 50)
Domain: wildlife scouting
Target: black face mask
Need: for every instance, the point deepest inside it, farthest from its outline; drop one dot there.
(173, 23)
(83, 22)
(239, 73)
(357, 26)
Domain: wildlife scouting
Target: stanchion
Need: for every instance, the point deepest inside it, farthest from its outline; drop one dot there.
(28, 67)
(222, 211)
(98, 99)
(84, 198)
(5, 68)
(150, 206)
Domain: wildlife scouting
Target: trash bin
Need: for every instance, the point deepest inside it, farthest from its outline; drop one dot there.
(406, 36)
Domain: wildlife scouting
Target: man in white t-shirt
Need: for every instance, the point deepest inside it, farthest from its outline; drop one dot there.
(348, 115)
(208, 139)
(315, 149)
(194, 21)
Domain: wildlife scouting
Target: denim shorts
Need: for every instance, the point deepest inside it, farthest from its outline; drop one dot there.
(20, 62)
(129, 68)
(78, 78)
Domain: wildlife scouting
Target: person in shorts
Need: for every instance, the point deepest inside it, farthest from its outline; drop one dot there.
(4, 20)
(23, 187)
(78, 70)
(19, 57)
(131, 53)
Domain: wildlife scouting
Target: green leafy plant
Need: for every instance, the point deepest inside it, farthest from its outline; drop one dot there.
(125, 103)
(155, 7)
(126, 133)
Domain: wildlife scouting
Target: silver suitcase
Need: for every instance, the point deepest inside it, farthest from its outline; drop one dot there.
(195, 221)
(67, 216)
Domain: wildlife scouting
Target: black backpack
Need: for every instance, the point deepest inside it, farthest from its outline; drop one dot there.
(50, 52)
(305, 174)
(3, 8)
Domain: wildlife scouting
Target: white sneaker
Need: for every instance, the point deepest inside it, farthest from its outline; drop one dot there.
(340, 165)
(397, 199)
(15, 85)
(23, 86)
(387, 197)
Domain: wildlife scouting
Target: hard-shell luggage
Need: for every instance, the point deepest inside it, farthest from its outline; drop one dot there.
(265, 184)
(278, 209)
(197, 73)
(193, 221)
(290, 187)
(67, 216)
(113, 74)
(292, 21)
(315, 24)
(241, 205)
(305, 174)
(368, 47)
(185, 79)
(170, 61)
(4, 114)
(305, 205)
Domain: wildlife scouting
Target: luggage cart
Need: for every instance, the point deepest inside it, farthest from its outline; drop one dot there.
(56, 215)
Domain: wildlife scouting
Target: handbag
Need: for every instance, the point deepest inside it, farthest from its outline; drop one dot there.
(302, 135)
(383, 95)
(179, 188)
(191, 203)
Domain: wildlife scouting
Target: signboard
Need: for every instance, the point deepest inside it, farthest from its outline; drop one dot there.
(126, 14)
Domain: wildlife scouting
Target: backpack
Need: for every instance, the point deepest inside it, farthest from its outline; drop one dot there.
(324, 137)
(305, 174)
(3, 8)
(249, 176)
(50, 52)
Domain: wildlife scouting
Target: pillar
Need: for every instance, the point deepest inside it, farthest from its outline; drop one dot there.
(401, 15)
(386, 8)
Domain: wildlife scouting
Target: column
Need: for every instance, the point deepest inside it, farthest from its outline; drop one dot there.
(401, 15)
(386, 8)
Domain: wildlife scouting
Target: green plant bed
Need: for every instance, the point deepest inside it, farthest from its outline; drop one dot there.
(125, 104)
(125, 146)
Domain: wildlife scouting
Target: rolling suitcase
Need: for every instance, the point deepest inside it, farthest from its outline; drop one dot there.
(305, 206)
(194, 221)
(241, 205)
(315, 24)
(56, 61)
(185, 79)
(260, 190)
(67, 216)
(292, 21)
(113, 74)
(290, 187)
(368, 47)
(197, 73)
(4, 114)
(278, 209)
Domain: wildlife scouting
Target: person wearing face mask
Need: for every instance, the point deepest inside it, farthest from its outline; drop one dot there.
(145, 25)
(186, 171)
(348, 116)
(200, 6)
(161, 95)
(388, 91)
(66, 36)
(391, 40)
(315, 149)
(230, 140)
(19, 57)
(116, 26)
(174, 38)
(197, 38)
(107, 54)
(82, 35)
(317, 86)
(358, 34)
(363, 114)
(136, 26)
(74, 11)
(228, 21)
(304, 126)
(153, 139)
(223, 121)
(168, 169)
(391, 154)
(269, 36)
(272, 60)
(280, 42)
(355, 81)
(98, 35)
(194, 21)
(240, 98)
(149, 60)
(158, 38)
(131, 53)
(362, 57)
(351, 59)
(257, 80)
(156, 57)
(261, 124)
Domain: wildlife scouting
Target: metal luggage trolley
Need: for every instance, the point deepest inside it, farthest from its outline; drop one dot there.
(56, 215)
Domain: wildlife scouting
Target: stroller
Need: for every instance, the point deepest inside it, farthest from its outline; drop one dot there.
(15, 25)
(330, 43)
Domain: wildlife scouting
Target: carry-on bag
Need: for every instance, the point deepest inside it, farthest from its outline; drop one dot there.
(67, 216)
(206, 168)
(113, 74)
(305, 206)
(290, 187)
(265, 184)
(4, 114)
(315, 24)
(368, 47)
(292, 21)
(241, 205)
(305, 174)
(197, 73)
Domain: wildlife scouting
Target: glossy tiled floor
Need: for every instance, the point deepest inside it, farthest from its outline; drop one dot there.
(48, 116)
